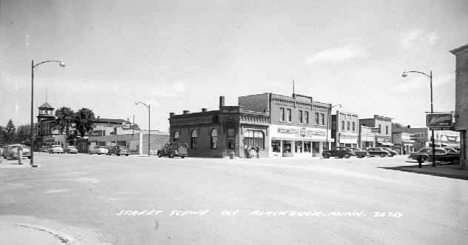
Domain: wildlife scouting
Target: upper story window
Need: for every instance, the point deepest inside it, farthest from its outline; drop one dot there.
(386, 130)
(301, 116)
(354, 126)
(342, 125)
(317, 118)
(322, 118)
(193, 140)
(282, 114)
(380, 129)
(176, 136)
(289, 115)
(214, 138)
(306, 117)
(349, 126)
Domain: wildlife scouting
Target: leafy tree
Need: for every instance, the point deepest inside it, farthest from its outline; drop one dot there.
(23, 134)
(10, 131)
(64, 119)
(84, 121)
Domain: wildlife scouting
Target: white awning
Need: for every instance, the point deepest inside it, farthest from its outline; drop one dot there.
(386, 143)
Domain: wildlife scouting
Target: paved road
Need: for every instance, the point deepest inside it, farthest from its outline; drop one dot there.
(240, 201)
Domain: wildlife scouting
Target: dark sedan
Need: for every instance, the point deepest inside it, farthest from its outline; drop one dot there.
(441, 154)
(378, 151)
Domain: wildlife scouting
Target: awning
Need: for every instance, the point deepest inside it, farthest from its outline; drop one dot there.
(386, 143)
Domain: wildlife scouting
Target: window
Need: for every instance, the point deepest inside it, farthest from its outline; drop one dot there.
(230, 132)
(380, 129)
(254, 138)
(349, 126)
(289, 115)
(282, 114)
(193, 141)
(342, 125)
(301, 116)
(316, 118)
(386, 129)
(322, 118)
(306, 117)
(214, 139)
(176, 136)
(354, 126)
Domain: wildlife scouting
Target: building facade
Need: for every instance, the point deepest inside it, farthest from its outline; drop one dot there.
(299, 125)
(345, 129)
(229, 131)
(366, 137)
(47, 135)
(461, 103)
(411, 139)
(382, 126)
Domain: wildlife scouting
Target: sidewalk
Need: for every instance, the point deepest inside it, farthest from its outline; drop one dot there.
(14, 163)
(445, 170)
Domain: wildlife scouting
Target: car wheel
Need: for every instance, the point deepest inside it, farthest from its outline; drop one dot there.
(382, 155)
(159, 155)
(126, 155)
(456, 161)
(347, 156)
(118, 155)
(171, 156)
(326, 156)
(182, 157)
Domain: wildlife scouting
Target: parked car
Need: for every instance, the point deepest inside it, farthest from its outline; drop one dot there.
(378, 151)
(98, 150)
(392, 152)
(118, 150)
(174, 149)
(11, 151)
(340, 152)
(71, 149)
(56, 149)
(359, 152)
(441, 154)
(44, 149)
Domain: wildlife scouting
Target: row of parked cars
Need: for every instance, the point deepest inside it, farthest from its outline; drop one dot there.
(99, 150)
(347, 152)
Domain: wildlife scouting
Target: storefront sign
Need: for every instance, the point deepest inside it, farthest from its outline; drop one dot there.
(303, 132)
(439, 120)
(287, 130)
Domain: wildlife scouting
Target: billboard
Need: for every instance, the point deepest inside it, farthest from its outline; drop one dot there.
(439, 121)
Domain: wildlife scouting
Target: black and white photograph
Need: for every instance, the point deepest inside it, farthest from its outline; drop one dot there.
(233, 122)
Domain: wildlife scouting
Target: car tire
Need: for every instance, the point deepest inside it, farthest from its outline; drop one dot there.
(456, 161)
(159, 155)
(182, 157)
(118, 155)
(347, 156)
(326, 156)
(382, 155)
(126, 155)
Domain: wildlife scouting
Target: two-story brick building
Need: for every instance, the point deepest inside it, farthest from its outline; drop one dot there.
(298, 123)
(345, 129)
(383, 126)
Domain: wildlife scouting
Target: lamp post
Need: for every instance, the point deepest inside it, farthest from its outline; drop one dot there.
(328, 121)
(62, 64)
(149, 123)
(405, 74)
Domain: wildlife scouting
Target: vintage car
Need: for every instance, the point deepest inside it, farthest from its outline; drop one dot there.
(392, 152)
(71, 149)
(98, 150)
(339, 152)
(44, 149)
(378, 151)
(359, 152)
(174, 149)
(56, 149)
(441, 154)
(11, 151)
(118, 150)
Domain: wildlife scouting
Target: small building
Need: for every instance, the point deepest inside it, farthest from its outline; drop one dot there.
(383, 129)
(345, 129)
(229, 131)
(47, 135)
(366, 137)
(411, 139)
(403, 142)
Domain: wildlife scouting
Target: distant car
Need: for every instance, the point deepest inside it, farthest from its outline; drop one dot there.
(378, 151)
(359, 152)
(340, 152)
(45, 149)
(11, 151)
(71, 149)
(173, 149)
(56, 149)
(441, 154)
(118, 150)
(98, 150)
(392, 152)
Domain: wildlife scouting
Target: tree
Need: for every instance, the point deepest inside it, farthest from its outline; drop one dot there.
(23, 134)
(84, 121)
(2, 134)
(10, 132)
(64, 119)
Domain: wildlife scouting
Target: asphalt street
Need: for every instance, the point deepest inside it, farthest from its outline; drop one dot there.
(141, 200)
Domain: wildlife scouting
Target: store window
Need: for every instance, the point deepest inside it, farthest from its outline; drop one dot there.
(254, 138)
(307, 147)
(214, 139)
(289, 115)
(193, 140)
(282, 114)
(276, 146)
(176, 136)
(298, 146)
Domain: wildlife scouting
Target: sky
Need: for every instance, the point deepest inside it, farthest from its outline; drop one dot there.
(183, 54)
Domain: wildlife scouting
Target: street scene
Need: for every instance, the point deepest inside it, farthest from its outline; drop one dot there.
(233, 122)
(140, 200)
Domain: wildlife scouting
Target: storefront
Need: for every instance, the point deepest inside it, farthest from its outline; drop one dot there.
(347, 139)
(291, 141)
(383, 141)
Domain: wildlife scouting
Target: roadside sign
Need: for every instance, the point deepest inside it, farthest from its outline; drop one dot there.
(439, 121)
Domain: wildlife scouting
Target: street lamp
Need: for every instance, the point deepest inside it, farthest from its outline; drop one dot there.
(405, 74)
(149, 123)
(62, 64)
(328, 121)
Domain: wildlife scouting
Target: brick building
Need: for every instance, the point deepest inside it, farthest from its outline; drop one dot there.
(227, 131)
(407, 139)
(298, 123)
(383, 129)
(345, 129)
(461, 103)
(366, 138)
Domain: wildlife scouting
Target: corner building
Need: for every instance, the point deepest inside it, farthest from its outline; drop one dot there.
(299, 125)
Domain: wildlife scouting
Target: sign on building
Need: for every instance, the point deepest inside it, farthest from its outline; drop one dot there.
(439, 121)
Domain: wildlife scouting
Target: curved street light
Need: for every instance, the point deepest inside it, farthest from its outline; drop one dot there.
(328, 122)
(149, 123)
(405, 74)
(62, 64)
